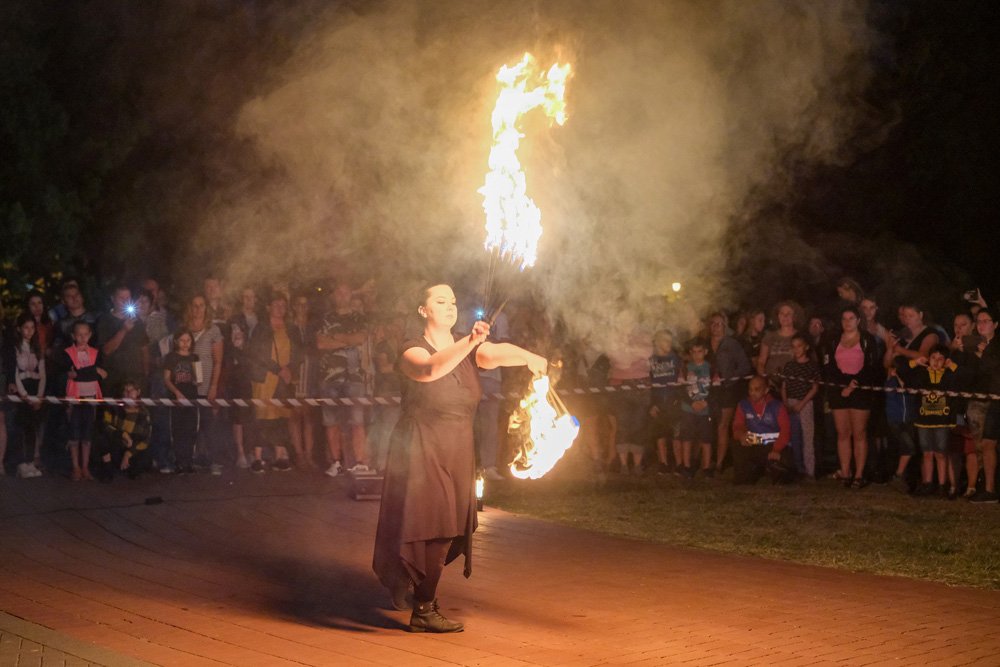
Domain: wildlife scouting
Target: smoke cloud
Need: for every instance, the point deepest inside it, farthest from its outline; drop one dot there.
(369, 141)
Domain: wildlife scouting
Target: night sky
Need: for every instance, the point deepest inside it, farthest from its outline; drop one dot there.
(113, 112)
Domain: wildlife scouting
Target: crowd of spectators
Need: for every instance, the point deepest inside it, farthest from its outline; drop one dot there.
(821, 402)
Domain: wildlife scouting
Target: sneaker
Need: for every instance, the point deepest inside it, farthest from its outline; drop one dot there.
(984, 496)
(216, 469)
(952, 493)
(242, 463)
(33, 470)
(925, 489)
(969, 492)
(859, 483)
(898, 482)
(359, 469)
(257, 466)
(492, 474)
(24, 470)
(662, 469)
(334, 469)
(282, 465)
(167, 469)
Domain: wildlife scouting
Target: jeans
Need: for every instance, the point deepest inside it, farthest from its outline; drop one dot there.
(803, 441)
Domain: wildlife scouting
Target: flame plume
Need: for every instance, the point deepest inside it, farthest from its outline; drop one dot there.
(545, 428)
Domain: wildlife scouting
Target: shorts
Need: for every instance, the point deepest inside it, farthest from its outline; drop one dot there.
(696, 428)
(630, 408)
(351, 415)
(81, 422)
(665, 424)
(934, 440)
(902, 434)
(859, 399)
(727, 395)
(991, 425)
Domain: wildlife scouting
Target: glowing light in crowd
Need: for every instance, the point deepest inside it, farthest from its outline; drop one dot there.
(513, 221)
(552, 429)
(675, 287)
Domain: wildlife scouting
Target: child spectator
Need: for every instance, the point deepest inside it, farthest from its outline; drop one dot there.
(83, 381)
(935, 375)
(27, 363)
(696, 424)
(664, 369)
(899, 410)
(180, 375)
(762, 429)
(126, 442)
(799, 385)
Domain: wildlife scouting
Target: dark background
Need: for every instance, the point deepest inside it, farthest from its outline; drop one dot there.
(89, 155)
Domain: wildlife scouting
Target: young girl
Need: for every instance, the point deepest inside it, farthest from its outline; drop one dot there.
(181, 379)
(664, 369)
(798, 388)
(84, 378)
(29, 383)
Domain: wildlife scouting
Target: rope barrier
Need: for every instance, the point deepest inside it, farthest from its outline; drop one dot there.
(372, 401)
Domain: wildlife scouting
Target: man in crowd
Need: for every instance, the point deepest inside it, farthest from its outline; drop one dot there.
(123, 342)
(762, 431)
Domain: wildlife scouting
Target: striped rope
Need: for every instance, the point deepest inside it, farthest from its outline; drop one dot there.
(371, 401)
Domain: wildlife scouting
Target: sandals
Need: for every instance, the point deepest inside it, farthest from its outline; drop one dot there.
(859, 483)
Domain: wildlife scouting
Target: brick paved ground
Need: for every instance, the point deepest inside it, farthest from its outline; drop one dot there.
(274, 570)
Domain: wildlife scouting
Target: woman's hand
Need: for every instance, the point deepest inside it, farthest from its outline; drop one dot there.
(538, 365)
(72, 374)
(849, 389)
(480, 332)
(179, 396)
(103, 374)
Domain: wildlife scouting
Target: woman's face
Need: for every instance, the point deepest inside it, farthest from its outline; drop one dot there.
(786, 317)
(847, 293)
(869, 309)
(849, 322)
(301, 305)
(911, 317)
(757, 323)
(717, 327)
(440, 307)
(198, 306)
(27, 330)
(962, 326)
(36, 307)
(985, 326)
(248, 299)
(277, 309)
(143, 306)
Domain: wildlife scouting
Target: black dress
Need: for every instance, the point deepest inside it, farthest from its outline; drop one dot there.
(429, 488)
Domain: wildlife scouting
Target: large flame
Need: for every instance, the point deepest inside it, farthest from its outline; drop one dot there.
(552, 430)
(513, 221)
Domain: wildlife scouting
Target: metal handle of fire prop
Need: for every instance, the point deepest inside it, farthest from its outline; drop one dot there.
(519, 425)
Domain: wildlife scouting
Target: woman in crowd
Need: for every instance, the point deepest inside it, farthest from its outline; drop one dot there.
(753, 335)
(915, 339)
(236, 370)
(273, 353)
(44, 329)
(208, 347)
(776, 347)
(849, 361)
(27, 363)
(428, 511)
(730, 366)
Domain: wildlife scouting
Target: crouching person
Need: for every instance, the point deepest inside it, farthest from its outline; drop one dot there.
(762, 430)
(126, 438)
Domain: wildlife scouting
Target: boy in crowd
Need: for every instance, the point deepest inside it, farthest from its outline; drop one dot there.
(799, 385)
(127, 430)
(696, 424)
(664, 369)
(762, 430)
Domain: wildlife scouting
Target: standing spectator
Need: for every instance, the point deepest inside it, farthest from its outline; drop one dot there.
(218, 311)
(159, 324)
(664, 369)
(76, 311)
(44, 329)
(849, 292)
(629, 367)
(242, 327)
(900, 409)
(988, 380)
(487, 424)
(302, 422)
(208, 347)
(729, 367)
(915, 339)
(869, 313)
(851, 360)
(27, 364)
(935, 375)
(776, 348)
(180, 377)
(753, 336)
(762, 431)
(124, 345)
(800, 384)
(273, 354)
(340, 338)
(963, 348)
(388, 385)
(816, 331)
(84, 381)
(696, 421)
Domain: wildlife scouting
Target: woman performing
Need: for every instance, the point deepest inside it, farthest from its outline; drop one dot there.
(428, 511)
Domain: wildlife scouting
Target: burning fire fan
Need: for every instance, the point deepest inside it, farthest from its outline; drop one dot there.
(542, 425)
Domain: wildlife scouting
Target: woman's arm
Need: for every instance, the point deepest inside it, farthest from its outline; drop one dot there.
(495, 355)
(765, 350)
(421, 366)
(41, 376)
(213, 388)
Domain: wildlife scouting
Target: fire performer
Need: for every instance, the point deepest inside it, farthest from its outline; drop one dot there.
(428, 511)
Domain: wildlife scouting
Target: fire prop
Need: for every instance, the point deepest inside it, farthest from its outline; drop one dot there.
(542, 424)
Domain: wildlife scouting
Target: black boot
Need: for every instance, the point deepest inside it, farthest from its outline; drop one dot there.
(427, 618)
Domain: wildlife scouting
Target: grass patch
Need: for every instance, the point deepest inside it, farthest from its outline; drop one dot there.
(875, 530)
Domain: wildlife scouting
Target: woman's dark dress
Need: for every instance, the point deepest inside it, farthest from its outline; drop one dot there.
(429, 489)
